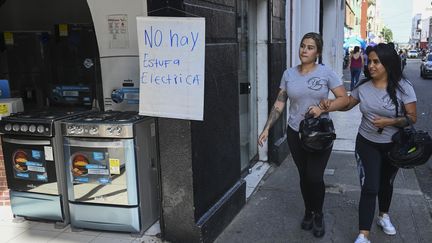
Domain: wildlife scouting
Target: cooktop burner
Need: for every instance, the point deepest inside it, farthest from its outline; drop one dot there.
(108, 117)
(35, 123)
(47, 115)
(106, 124)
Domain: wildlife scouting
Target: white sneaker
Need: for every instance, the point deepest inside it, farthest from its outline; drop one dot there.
(362, 239)
(386, 225)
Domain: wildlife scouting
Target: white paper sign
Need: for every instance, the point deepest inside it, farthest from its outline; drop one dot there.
(48, 153)
(171, 52)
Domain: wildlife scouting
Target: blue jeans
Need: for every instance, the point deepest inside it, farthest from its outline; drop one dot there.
(355, 76)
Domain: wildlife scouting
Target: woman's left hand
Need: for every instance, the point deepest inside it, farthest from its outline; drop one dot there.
(381, 122)
(315, 111)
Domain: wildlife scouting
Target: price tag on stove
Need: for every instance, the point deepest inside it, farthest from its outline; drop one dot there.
(114, 166)
(48, 153)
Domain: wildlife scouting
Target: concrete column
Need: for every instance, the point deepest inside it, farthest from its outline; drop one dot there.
(333, 24)
(180, 189)
(305, 19)
(262, 72)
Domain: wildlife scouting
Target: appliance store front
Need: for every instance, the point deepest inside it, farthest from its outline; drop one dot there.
(83, 54)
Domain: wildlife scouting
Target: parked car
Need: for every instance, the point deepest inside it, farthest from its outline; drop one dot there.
(412, 54)
(426, 67)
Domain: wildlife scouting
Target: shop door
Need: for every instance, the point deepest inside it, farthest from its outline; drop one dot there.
(246, 36)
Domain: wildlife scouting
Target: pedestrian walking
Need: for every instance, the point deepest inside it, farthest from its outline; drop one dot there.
(366, 61)
(355, 64)
(403, 58)
(305, 85)
(383, 97)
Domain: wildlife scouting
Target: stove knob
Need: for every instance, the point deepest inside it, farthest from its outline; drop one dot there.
(94, 130)
(79, 130)
(8, 127)
(16, 127)
(24, 128)
(40, 129)
(110, 130)
(118, 130)
(71, 129)
(32, 128)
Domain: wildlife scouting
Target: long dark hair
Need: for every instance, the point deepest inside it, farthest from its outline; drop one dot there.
(356, 49)
(392, 64)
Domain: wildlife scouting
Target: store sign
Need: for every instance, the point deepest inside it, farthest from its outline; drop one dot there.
(171, 53)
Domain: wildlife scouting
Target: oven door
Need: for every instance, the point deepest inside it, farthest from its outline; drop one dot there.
(29, 164)
(101, 171)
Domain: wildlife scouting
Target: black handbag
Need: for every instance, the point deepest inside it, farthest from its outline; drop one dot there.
(411, 147)
(316, 134)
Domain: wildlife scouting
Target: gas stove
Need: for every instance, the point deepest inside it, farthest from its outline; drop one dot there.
(34, 123)
(112, 165)
(33, 158)
(110, 124)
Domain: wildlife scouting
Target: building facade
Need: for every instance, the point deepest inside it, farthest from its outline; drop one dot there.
(424, 36)
(353, 16)
(364, 19)
(415, 31)
(249, 44)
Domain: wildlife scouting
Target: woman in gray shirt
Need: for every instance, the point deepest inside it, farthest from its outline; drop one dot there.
(381, 97)
(305, 85)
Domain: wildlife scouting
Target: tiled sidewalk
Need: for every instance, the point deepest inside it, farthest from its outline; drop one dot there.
(25, 231)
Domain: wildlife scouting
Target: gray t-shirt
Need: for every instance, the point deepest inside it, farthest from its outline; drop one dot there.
(377, 102)
(307, 90)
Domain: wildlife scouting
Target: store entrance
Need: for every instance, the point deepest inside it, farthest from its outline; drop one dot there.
(246, 30)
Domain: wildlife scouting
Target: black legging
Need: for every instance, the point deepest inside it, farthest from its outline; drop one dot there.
(311, 168)
(376, 179)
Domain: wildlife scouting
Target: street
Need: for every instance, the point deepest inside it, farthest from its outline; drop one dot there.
(422, 88)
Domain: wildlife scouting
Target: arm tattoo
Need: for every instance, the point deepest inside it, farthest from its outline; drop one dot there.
(275, 112)
(401, 121)
(282, 97)
(274, 115)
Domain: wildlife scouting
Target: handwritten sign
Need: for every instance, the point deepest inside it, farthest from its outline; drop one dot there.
(171, 53)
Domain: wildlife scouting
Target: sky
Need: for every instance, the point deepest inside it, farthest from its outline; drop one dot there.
(397, 15)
